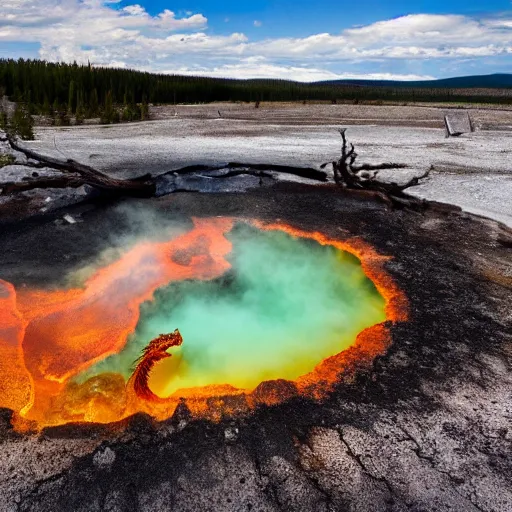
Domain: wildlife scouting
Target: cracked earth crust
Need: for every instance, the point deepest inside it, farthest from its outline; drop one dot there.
(428, 428)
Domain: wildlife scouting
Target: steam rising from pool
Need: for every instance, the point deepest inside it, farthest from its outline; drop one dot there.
(285, 305)
(266, 312)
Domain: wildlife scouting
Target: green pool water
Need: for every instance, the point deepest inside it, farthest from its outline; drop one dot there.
(286, 304)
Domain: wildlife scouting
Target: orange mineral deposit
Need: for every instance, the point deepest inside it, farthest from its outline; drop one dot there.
(47, 337)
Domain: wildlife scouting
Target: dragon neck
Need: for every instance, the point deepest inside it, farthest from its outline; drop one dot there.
(140, 379)
(155, 351)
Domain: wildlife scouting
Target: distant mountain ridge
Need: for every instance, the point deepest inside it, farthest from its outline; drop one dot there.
(495, 81)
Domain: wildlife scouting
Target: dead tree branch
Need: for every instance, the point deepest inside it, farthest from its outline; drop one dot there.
(357, 177)
(80, 174)
(49, 182)
(362, 179)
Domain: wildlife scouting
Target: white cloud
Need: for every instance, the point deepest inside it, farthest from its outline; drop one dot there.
(99, 31)
(257, 23)
(135, 10)
(408, 37)
(167, 19)
(257, 68)
(83, 21)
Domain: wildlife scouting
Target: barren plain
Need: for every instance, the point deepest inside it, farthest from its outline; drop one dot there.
(473, 171)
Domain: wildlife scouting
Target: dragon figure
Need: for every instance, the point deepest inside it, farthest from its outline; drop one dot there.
(155, 351)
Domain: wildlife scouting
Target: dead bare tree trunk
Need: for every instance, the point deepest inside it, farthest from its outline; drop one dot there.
(362, 179)
(74, 175)
(349, 175)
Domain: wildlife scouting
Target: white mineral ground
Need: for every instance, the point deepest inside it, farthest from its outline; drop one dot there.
(473, 171)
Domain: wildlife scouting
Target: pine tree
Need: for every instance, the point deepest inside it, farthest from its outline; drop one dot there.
(71, 97)
(80, 110)
(144, 109)
(29, 107)
(94, 105)
(22, 124)
(46, 109)
(4, 122)
(109, 114)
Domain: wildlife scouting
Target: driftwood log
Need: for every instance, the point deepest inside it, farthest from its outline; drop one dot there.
(74, 175)
(359, 179)
(364, 177)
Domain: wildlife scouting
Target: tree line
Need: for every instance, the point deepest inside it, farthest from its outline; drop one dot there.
(84, 91)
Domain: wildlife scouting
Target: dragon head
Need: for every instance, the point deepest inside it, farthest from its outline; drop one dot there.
(157, 348)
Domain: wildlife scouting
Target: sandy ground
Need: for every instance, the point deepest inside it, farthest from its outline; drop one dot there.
(426, 115)
(473, 171)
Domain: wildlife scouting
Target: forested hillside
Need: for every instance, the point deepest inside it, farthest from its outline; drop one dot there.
(495, 81)
(85, 91)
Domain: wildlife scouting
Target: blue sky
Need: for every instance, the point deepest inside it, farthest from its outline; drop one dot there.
(305, 17)
(296, 39)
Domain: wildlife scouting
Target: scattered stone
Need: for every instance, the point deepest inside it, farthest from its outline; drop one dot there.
(69, 219)
(231, 434)
(105, 458)
(457, 123)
